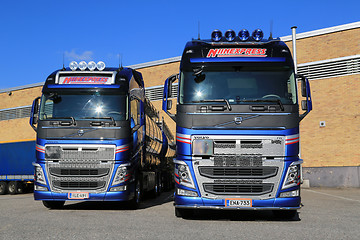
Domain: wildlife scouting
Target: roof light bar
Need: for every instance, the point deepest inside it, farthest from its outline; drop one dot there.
(83, 65)
(230, 35)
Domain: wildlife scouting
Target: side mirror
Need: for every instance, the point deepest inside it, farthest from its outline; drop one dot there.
(135, 128)
(34, 115)
(306, 105)
(303, 87)
(169, 104)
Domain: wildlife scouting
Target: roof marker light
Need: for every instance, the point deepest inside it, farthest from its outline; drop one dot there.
(244, 35)
(82, 65)
(257, 35)
(73, 65)
(230, 35)
(100, 65)
(92, 65)
(216, 35)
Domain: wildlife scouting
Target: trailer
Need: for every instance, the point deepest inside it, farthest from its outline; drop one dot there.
(16, 170)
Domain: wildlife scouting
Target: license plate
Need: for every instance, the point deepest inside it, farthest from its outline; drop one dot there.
(78, 195)
(238, 202)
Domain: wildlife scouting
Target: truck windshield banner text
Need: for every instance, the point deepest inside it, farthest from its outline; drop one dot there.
(237, 52)
(84, 80)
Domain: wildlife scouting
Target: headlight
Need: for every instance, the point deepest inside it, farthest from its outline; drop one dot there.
(182, 174)
(183, 192)
(294, 193)
(39, 175)
(202, 147)
(52, 152)
(122, 174)
(293, 175)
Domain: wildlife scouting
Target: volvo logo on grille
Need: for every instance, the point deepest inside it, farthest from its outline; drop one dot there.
(238, 120)
(80, 132)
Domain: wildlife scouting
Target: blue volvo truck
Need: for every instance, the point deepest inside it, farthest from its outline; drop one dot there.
(98, 137)
(237, 125)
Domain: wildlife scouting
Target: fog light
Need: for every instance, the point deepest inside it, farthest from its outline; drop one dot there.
(40, 188)
(92, 65)
(294, 193)
(73, 65)
(183, 192)
(82, 65)
(118, 189)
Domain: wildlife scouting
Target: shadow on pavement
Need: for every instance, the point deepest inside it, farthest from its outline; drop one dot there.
(239, 215)
(147, 202)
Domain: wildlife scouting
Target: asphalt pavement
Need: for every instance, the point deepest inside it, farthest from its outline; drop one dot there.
(326, 214)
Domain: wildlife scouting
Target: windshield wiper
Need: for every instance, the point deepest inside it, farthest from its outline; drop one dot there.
(109, 118)
(215, 100)
(73, 122)
(278, 101)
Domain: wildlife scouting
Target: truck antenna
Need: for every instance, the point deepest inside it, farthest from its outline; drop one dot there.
(271, 30)
(120, 61)
(198, 30)
(63, 68)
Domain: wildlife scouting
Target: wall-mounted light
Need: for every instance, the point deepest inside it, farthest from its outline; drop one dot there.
(322, 124)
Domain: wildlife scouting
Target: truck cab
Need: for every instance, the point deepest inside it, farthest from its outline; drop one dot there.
(237, 131)
(91, 137)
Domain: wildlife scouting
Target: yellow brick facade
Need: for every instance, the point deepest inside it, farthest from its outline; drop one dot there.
(335, 101)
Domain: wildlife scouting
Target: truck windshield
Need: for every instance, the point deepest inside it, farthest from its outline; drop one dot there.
(238, 85)
(82, 106)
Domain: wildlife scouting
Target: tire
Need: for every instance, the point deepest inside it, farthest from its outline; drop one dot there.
(54, 204)
(20, 188)
(135, 202)
(184, 213)
(285, 214)
(12, 187)
(157, 189)
(3, 188)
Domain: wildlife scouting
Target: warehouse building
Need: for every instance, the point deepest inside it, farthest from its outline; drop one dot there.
(329, 57)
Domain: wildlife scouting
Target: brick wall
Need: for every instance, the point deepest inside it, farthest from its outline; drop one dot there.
(335, 101)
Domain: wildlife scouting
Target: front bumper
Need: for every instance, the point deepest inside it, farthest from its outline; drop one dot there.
(108, 196)
(126, 195)
(292, 203)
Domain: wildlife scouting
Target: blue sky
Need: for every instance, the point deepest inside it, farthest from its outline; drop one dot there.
(35, 35)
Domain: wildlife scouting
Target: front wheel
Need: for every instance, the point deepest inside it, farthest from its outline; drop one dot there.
(54, 204)
(135, 202)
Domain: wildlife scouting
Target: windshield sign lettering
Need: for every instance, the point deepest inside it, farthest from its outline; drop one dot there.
(84, 80)
(237, 52)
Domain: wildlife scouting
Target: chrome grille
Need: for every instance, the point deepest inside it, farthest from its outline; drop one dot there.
(235, 172)
(248, 189)
(79, 152)
(80, 167)
(65, 172)
(78, 185)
